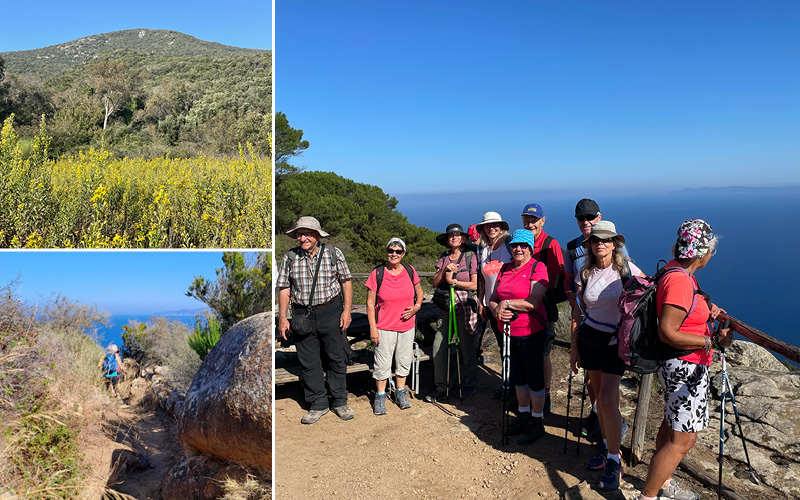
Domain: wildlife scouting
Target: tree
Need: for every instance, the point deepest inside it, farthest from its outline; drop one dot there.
(241, 289)
(114, 82)
(288, 143)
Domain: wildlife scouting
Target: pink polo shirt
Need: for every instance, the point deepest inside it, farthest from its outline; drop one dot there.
(516, 284)
(395, 295)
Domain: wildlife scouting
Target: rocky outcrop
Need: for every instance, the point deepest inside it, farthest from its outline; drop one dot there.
(200, 477)
(227, 412)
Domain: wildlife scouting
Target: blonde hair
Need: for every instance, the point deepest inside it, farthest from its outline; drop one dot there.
(618, 260)
(484, 240)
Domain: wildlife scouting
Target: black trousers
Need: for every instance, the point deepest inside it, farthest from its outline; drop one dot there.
(326, 338)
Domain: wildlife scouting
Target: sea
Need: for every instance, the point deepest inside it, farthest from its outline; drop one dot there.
(751, 276)
(113, 331)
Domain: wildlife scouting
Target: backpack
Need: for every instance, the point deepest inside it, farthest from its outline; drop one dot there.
(638, 344)
(553, 296)
(379, 270)
(109, 365)
(441, 295)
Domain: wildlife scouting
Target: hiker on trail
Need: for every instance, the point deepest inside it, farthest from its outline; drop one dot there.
(520, 287)
(593, 344)
(493, 251)
(316, 278)
(686, 357)
(394, 297)
(458, 267)
(547, 250)
(587, 214)
(111, 364)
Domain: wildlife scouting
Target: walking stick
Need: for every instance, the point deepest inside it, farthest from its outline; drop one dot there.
(583, 402)
(453, 340)
(725, 387)
(506, 373)
(569, 398)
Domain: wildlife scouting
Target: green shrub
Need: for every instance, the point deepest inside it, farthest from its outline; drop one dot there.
(205, 337)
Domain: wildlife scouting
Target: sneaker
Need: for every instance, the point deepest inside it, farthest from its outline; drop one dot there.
(592, 426)
(436, 396)
(598, 461)
(675, 492)
(312, 416)
(535, 431)
(519, 424)
(624, 430)
(611, 475)
(401, 399)
(468, 392)
(344, 412)
(379, 405)
(547, 405)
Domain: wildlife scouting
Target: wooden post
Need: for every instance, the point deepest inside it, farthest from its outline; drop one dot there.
(640, 419)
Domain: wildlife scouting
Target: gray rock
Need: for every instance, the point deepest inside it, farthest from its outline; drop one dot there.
(745, 353)
(227, 411)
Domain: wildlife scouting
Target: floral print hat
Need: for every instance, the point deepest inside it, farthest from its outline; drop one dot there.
(694, 239)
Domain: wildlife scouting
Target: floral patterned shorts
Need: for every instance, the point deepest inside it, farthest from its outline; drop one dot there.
(685, 387)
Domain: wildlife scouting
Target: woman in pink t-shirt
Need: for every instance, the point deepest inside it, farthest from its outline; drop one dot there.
(520, 287)
(683, 373)
(391, 307)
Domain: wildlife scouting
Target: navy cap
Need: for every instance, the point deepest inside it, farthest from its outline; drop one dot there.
(534, 210)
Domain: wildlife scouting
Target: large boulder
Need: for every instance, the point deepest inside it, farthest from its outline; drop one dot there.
(227, 412)
(746, 353)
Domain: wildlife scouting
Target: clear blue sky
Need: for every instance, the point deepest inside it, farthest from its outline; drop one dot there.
(241, 23)
(419, 96)
(119, 282)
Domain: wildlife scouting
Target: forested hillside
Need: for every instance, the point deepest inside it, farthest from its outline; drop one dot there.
(143, 93)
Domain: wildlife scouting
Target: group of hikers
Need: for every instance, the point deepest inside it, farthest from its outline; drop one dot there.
(514, 282)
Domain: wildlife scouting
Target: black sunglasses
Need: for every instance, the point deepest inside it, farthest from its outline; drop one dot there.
(517, 245)
(586, 218)
(398, 251)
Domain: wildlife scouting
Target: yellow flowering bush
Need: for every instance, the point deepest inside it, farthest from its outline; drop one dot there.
(94, 200)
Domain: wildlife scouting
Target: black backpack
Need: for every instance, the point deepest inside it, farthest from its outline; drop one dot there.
(379, 270)
(557, 295)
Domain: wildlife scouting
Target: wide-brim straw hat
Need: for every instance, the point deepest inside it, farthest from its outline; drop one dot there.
(604, 229)
(452, 228)
(307, 222)
(492, 217)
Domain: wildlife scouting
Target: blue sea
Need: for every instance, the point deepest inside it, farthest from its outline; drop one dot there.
(751, 276)
(113, 332)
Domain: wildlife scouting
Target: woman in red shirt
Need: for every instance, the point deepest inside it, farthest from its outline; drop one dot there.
(520, 287)
(683, 317)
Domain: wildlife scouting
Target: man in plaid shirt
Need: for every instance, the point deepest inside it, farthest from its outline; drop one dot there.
(328, 312)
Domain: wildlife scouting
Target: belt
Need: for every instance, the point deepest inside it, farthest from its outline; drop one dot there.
(320, 306)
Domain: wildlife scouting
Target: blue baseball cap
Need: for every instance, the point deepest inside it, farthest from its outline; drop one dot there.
(534, 210)
(523, 236)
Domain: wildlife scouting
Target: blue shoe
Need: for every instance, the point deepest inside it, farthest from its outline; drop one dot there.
(598, 461)
(379, 406)
(611, 475)
(401, 399)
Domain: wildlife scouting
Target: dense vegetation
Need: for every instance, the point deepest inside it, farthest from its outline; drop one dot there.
(93, 200)
(142, 93)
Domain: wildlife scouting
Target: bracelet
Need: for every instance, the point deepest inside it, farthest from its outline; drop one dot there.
(455, 282)
(707, 347)
(508, 304)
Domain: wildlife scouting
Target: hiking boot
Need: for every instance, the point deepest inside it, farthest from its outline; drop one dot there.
(401, 399)
(592, 426)
(534, 431)
(675, 492)
(436, 396)
(379, 405)
(345, 412)
(547, 405)
(312, 416)
(598, 461)
(468, 392)
(611, 475)
(519, 424)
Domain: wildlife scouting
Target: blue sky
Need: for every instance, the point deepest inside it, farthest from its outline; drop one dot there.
(241, 23)
(421, 96)
(119, 282)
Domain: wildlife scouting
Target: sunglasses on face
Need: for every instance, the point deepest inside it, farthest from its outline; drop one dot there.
(518, 245)
(605, 241)
(398, 251)
(586, 218)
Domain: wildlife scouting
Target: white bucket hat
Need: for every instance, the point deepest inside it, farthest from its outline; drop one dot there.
(490, 217)
(307, 222)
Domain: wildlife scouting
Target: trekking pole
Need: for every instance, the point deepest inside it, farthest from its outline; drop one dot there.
(725, 387)
(506, 373)
(569, 398)
(453, 340)
(583, 403)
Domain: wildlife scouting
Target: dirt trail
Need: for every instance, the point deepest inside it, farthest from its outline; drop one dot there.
(434, 451)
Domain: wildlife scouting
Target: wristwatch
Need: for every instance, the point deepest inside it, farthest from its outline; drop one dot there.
(508, 304)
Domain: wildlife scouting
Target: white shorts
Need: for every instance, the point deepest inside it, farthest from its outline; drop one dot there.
(399, 344)
(685, 387)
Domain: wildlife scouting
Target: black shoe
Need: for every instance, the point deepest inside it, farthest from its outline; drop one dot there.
(534, 431)
(436, 396)
(592, 426)
(520, 424)
(547, 405)
(468, 392)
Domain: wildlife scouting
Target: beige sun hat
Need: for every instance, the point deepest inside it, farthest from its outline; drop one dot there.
(307, 222)
(490, 217)
(604, 229)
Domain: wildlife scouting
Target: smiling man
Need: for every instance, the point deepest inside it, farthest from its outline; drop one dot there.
(316, 278)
